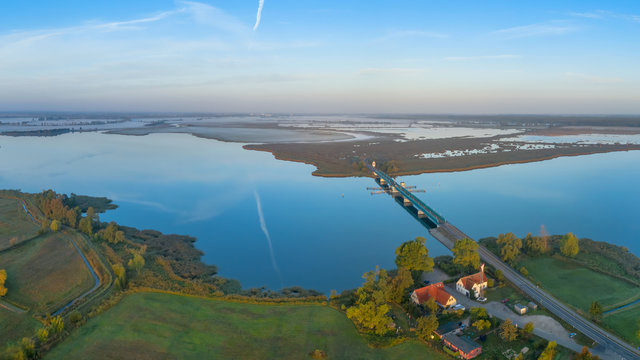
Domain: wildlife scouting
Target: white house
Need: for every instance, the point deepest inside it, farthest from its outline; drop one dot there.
(476, 283)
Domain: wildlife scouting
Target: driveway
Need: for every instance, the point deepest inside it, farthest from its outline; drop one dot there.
(544, 326)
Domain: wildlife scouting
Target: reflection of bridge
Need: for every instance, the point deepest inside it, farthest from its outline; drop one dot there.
(607, 346)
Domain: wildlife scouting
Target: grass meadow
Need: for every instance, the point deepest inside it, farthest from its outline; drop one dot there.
(15, 225)
(579, 286)
(45, 273)
(163, 326)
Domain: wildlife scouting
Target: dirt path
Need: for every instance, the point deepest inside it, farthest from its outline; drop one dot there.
(11, 308)
(93, 273)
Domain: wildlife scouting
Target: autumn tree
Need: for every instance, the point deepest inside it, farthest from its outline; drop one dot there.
(465, 252)
(426, 326)
(430, 305)
(549, 352)
(121, 276)
(3, 278)
(414, 255)
(370, 311)
(55, 225)
(43, 334)
(527, 330)
(570, 246)
(595, 309)
(523, 270)
(481, 324)
(508, 331)
(510, 247)
(56, 324)
(136, 263)
(85, 226)
(535, 245)
(400, 284)
(585, 354)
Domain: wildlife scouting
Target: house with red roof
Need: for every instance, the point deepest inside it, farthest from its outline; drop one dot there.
(435, 291)
(476, 283)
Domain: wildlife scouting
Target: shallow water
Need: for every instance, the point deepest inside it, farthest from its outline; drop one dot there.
(324, 232)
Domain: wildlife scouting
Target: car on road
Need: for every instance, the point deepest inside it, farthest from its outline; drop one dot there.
(482, 299)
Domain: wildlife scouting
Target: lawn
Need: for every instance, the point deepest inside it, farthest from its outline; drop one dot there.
(626, 323)
(15, 225)
(15, 326)
(577, 285)
(494, 347)
(162, 326)
(45, 273)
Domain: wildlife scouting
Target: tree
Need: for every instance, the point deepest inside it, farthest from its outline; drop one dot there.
(481, 324)
(510, 247)
(3, 278)
(136, 263)
(527, 330)
(549, 352)
(119, 237)
(585, 354)
(85, 226)
(499, 275)
(43, 334)
(431, 305)
(91, 214)
(524, 271)
(56, 325)
(55, 225)
(399, 284)
(570, 246)
(28, 347)
(414, 255)
(370, 310)
(465, 252)
(595, 309)
(508, 331)
(535, 245)
(478, 313)
(426, 326)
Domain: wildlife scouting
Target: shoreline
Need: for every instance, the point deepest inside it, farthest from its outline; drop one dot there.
(317, 172)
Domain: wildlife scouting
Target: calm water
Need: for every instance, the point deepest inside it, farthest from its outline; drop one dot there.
(315, 232)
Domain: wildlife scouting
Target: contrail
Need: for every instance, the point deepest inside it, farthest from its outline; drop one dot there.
(263, 225)
(260, 4)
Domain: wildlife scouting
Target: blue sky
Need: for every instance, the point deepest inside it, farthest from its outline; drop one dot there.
(322, 56)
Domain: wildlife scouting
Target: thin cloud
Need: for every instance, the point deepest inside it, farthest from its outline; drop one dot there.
(258, 15)
(482, 57)
(534, 30)
(604, 14)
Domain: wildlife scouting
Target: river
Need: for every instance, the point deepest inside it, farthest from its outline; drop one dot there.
(270, 223)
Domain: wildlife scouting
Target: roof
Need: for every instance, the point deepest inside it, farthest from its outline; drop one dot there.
(462, 343)
(477, 278)
(519, 306)
(435, 291)
(447, 328)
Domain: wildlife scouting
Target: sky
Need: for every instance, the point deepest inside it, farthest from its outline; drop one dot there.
(313, 56)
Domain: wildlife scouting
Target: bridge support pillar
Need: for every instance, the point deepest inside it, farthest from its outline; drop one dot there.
(382, 182)
(406, 202)
(421, 214)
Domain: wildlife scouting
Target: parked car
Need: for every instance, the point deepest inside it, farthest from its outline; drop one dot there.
(504, 301)
(572, 335)
(482, 299)
(459, 307)
(427, 282)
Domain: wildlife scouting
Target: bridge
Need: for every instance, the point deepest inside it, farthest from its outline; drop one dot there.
(608, 345)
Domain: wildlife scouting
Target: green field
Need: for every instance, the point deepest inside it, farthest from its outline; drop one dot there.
(15, 225)
(45, 273)
(162, 326)
(14, 326)
(626, 323)
(577, 285)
